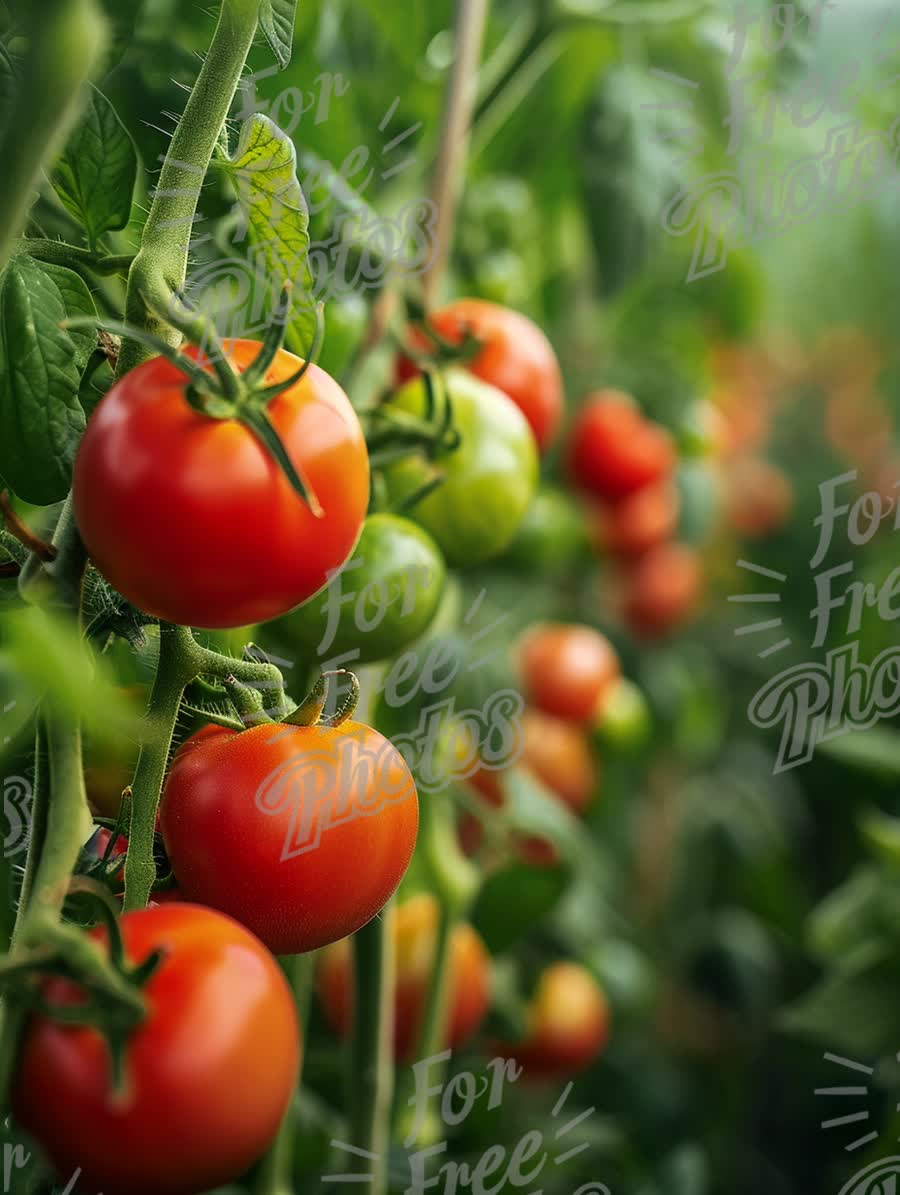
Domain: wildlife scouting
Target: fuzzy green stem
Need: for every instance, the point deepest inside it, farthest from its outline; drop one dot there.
(76, 258)
(161, 263)
(275, 1173)
(371, 1056)
(178, 666)
(66, 38)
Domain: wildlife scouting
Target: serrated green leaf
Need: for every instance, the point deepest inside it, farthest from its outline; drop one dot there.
(276, 19)
(264, 171)
(41, 419)
(95, 176)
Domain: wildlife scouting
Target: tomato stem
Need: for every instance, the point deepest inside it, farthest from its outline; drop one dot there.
(370, 1076)
(161, 264)
(75, 257)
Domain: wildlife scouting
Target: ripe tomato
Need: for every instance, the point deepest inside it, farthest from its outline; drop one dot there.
(557, 752)
(639, 521)
(414, 931)
(516, 357)
(566, 669)
(758, 497)
(614, 450)
(490, 478)
(302, 833)
(190, 517)
(568, 1024)
(221, 1024)
(383, 598)
(663, 590)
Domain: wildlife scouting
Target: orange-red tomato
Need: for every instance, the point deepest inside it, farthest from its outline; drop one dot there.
(566, 669)
(758, 496)
(614, 450)
(191, 518)
(639, 521)
(663, 590)
(567, 1024)
(516, 357)
(302, 833)
(208, 1074)
(414, 930)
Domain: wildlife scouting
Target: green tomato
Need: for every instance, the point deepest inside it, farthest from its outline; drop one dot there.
(345, 323)
(624, 721)
(490, 477)
(380, 601)
(552, 535)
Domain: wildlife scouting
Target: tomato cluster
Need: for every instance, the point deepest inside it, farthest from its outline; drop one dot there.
(625, 464)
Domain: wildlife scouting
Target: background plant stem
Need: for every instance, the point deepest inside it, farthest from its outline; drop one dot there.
(66, 38)
(371, 1056)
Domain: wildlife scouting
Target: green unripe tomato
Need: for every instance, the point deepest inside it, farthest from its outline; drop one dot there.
(490, 477)
(552, 535)
(345, 323)
(623, 722)
(380, 601)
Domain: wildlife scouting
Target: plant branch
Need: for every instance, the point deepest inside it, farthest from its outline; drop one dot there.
(159, 269)
(75, 257)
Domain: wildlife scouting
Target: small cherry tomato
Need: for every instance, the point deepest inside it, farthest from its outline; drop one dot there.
(382, 600)
(191, 518)
(208, 1075)
(639, 521)
(566, 669)
(414, 930)
(551, 537)
(623, 720)
(567, 1024)
(489, 478)
(663, 590)
(614, 450)
(557, 752)
(516, 357)
(301, 833)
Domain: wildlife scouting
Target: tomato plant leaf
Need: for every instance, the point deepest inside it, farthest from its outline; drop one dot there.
(95, 176)
(40, 415)
(276, 19)
(264, 172)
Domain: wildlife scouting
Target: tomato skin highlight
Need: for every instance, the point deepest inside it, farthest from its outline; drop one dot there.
(490, 478)
(568, 1024)
(516, 357)
(300, 833)
(566, 669)
(413, 926)
(614, 450)
(396, 577)
(192, 520)
(208, 1075)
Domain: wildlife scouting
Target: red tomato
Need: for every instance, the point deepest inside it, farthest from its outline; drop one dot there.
(639, 521)
(614, 450)
(190, 517)
(568, 1024)
(758, 497)
(209, 1073)
(566, 669)
(557, 752)
(516, 357)
(663, 590)
(414, 931)
(300, 832)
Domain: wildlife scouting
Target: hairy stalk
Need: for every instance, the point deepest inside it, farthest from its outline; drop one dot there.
(65, 40)
(161, 263)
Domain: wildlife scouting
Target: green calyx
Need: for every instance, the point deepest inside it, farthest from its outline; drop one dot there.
(309, 711)
(216, 389)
